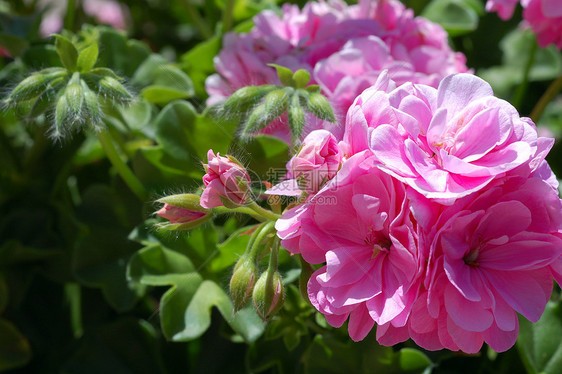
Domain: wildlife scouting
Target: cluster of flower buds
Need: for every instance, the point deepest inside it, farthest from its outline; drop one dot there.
(227, 190)
(75, 92)
(293, 97)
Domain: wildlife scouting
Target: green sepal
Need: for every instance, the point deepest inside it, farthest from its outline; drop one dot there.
(186, 201)
(88, 58)
(244, 98)
(285, 75)
(67, 52)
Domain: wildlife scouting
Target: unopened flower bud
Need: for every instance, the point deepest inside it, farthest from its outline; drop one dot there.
(275, 103)
(244, 98)
(33, 85)
(180, 217)
(75, 100)
(318, 161)
(61, 116)
(317, 104)
(111, 88)
(268, 296)
(226, 182)
(242, 282)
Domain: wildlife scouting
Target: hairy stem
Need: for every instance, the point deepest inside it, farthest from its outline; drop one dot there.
(124, 171)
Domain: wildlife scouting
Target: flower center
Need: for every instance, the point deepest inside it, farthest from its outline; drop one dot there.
(378, 242)
(471, 258)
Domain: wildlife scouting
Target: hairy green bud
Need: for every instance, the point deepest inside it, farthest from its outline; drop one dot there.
(268, 295)
(111, 88)
(318, 105)
(275, 103)
(242, 282)
(244, 98)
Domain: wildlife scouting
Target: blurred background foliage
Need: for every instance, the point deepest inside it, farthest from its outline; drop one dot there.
(87, 285)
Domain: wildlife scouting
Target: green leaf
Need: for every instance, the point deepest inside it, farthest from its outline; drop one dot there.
(188, 136)
(539, 343)
(230, 250)
(88, 58)
(14, 347)
(456, 16)
(198, 63)
(145, 73)
(67, 52)
(413, 360)
(101, 257)
(173, 78)
(185, 309)
(162, 94)
(173, 125)
(119, 53)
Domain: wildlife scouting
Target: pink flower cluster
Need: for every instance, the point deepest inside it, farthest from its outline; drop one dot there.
(442, 224)
(543, 16)
(345, 48)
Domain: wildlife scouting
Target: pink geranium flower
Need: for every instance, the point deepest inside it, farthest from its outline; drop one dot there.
(225, 180)
(491, 255)
(360, 225)
(445, 143)
(544, 17)
(345, 48)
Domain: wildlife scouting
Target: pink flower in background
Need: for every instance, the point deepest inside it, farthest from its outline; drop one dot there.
(490, 257)
(445, 143)
(360, 225)
(224, 179)
(176, 214)
(504, 8)
(344, 47)
(108, 12)
(543, 16)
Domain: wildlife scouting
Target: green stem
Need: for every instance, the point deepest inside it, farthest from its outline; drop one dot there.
(546, 98)
(259, 237)
(198, 21)
(70, 15)
(520, 92)
(130, 179)
(227, 15)
(74, 298)
(243, 210)
(268, 214)
(271, 270)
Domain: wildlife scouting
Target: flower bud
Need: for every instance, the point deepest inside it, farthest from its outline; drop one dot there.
(225, 181)
(318, 161)
(75, 100)
(296, 117)
(275, 103)
(33, 85)
(179, 214)
(268, 296)
(242, 282)
(318, 105)
(187, 201)
(92, 104)
(111, 88)
(61, 116)
(245, 97)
